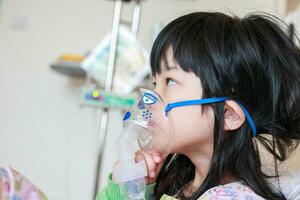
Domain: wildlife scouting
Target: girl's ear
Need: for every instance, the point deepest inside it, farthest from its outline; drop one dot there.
(234, 116)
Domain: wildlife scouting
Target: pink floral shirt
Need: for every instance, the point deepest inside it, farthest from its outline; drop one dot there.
(14, 186)
(230, 191)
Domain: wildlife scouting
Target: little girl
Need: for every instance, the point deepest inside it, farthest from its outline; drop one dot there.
(237, 81)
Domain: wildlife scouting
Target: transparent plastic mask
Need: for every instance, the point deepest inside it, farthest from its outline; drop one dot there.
(155, 125)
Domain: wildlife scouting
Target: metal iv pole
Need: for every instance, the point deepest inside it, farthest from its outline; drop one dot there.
(110, 77)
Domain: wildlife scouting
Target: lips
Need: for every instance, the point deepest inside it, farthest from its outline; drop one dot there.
(151, 124)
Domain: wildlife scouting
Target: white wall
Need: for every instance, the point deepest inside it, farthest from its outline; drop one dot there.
(44, 134)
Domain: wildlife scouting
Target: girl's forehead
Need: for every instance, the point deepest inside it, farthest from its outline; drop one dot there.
(167, 70)
(168, 60)
(168, 63)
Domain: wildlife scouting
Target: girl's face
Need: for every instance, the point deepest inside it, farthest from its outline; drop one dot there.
(193, 125)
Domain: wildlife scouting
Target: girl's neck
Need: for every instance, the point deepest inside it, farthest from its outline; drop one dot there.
(202, 162)
(200, 176)
(201, 158)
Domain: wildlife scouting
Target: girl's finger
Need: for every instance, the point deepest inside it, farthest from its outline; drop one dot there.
(139, 156)
(156, 157)
(151, 165)
(149, 160)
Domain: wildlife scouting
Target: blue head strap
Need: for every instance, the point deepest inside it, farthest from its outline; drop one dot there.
(211, 100)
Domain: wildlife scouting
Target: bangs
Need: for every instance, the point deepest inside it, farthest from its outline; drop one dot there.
(172, 36)
(190, 41)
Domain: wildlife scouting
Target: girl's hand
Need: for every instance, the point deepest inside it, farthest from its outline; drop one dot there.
(154, 162)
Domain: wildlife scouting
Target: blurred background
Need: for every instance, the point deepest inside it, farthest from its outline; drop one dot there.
(46, 132)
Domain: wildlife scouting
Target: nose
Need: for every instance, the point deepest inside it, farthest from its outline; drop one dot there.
(159, 94)
(159, 91)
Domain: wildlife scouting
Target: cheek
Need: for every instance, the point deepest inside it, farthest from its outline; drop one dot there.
(191, 126)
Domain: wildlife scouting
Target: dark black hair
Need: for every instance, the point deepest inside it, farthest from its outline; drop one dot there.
(248, 59)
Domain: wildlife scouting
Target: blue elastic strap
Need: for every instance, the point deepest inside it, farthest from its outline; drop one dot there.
(249, 118)
(170, 106)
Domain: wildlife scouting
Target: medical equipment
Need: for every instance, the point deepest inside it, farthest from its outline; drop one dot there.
(146, 124)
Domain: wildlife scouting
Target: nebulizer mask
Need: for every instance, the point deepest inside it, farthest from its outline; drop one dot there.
(148, 124)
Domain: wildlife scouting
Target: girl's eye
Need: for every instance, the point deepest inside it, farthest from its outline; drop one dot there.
(170, 82)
